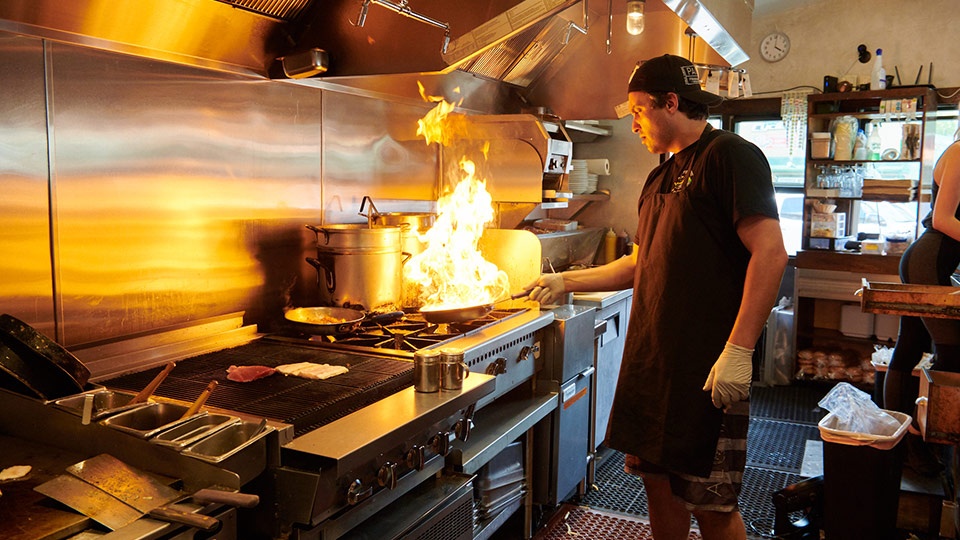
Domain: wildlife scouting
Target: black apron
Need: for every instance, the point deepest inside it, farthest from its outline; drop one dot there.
(687, 290)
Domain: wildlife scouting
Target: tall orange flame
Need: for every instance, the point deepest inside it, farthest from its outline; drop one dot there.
(451, 272)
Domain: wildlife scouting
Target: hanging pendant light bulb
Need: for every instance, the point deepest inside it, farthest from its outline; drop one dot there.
(635, 17)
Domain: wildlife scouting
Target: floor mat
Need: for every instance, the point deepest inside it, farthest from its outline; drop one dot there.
(583, 522)
(796, 403)
(620, 493)
(783, 420)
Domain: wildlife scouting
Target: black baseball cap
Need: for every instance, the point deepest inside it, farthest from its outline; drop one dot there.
(670, 73)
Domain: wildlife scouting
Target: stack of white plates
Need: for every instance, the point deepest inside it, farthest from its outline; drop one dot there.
(580, 178)
(591, 182)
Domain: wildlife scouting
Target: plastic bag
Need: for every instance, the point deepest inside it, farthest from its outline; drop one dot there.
(856, 412)
(881, 355)
(844, 131)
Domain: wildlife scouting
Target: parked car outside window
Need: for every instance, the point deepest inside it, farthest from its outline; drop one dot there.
(790, 206)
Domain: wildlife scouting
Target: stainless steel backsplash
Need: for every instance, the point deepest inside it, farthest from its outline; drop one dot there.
(137, 195)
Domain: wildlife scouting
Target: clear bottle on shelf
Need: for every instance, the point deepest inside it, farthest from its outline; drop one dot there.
(874, 142)
(878, 77)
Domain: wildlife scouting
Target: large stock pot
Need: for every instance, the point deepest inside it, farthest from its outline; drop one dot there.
(411, 224)
(358, 266)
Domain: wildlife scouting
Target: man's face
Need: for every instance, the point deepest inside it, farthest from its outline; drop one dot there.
(649, 122)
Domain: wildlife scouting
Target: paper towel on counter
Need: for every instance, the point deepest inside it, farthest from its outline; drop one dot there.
(598, 166)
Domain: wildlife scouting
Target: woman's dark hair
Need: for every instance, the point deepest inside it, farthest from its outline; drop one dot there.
(693, 110)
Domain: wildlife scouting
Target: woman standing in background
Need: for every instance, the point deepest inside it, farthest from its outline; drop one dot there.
(930, 260)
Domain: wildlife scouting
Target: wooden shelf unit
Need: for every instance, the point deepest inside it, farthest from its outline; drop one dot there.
(824, 109)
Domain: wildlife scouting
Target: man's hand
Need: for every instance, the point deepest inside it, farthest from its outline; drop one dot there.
(729, 379)
(547, 289)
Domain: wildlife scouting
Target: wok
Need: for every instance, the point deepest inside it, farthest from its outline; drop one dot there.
(333, 320)
(22, 337)
(34, 375)
(465, 313)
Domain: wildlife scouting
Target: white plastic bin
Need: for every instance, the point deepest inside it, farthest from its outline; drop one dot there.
(854, 322)
(820, 145)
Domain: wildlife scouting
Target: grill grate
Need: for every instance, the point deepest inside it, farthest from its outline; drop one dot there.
(306, 404)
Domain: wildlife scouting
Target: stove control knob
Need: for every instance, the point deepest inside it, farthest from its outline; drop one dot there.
(497, 367)
(387, 475)
(440, 443)
(356, 492)
(416, 457)
(463, 427)
(525, 353)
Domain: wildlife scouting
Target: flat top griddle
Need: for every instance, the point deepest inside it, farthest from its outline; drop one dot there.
(303, 403)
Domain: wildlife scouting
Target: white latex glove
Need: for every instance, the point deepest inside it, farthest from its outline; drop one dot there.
(547, 289)
(730, 376)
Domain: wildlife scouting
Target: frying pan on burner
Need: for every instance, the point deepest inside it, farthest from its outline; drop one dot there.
(332, 320)
(465, 313)
(325, 320)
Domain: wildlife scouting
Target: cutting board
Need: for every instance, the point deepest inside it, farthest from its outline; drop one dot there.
(24, 513)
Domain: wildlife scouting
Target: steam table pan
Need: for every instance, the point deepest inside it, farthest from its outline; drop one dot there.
(105, 403)
(194, 429)
(145, 422)
(229, 441)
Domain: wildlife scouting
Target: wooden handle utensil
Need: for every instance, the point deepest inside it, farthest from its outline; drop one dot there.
(148, 390)
(200, 400)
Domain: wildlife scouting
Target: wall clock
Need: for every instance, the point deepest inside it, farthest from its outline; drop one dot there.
(775, 46)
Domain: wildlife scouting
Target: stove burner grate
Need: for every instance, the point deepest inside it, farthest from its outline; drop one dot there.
(405, 336)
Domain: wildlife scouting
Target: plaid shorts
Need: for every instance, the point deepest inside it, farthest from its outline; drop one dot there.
(719, 491)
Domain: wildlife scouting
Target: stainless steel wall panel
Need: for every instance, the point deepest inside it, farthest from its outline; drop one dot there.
(371, 147)
(172, 195)
(181, 193)
(193, 32)
(26, 281)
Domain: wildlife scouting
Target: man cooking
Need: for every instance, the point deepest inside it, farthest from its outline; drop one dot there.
(705, 272)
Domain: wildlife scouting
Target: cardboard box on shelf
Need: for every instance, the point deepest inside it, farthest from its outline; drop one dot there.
(828, 225)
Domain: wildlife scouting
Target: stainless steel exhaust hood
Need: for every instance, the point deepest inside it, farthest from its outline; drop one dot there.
(532, 45)
(516, 45)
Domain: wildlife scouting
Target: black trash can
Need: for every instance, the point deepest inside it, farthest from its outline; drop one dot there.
(861, 486)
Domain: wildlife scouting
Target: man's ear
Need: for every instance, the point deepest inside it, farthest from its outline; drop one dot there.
(671, 102)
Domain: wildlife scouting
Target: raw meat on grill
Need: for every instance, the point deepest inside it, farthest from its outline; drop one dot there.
(249, 373)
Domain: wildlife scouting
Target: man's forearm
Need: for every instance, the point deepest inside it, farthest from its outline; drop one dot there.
(614, 276)
(759, 296)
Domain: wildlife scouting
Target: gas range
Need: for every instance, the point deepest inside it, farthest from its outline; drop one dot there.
(363, 439)
(504, 343)
(401, 336)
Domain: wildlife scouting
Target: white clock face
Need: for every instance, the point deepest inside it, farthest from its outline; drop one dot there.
(775, 47)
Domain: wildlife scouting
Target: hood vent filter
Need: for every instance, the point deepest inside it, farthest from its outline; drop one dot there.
(522, 58)
(286, 10)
